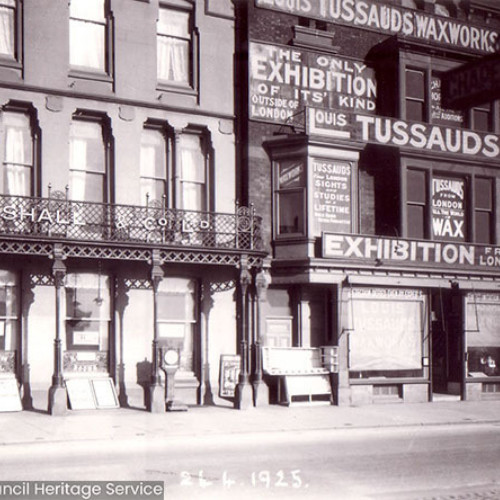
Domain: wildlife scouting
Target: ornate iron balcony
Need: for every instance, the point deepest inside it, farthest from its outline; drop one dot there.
(59, 218)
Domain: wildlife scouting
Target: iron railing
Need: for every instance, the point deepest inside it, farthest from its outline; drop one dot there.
(57, 217)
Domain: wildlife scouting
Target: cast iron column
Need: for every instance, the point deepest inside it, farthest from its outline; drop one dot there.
(58, 398)
(243, 398)
(157, 394)
(260, 389)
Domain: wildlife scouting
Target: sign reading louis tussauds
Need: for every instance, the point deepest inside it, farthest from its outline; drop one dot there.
(382, 130)
(391, 20)
(284, 80)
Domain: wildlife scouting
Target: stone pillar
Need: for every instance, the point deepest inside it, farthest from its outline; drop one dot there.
(260, 389)
(58, 397)
(157, 393)
(243, 398)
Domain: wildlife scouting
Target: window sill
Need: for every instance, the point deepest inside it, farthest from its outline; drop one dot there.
(7, 62)
(176, 89)
(90, 75)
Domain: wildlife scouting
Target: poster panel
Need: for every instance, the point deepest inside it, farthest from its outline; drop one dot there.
(448, 210)
(228, 374)
(80, 394)
(331, 193)
(10, 399)
(105, 393)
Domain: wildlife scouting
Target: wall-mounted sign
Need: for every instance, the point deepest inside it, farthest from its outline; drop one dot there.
(331, 194)
(391, 20)
(392, 132)
(283, 80)
(448, 211)
(439, 114)
(397, 251)
(472, 84)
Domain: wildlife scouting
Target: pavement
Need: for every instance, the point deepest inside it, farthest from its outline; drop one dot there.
(126, 424)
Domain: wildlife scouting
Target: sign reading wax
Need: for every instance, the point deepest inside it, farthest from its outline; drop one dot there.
(448, 212)
(283, 80)
(331, 195)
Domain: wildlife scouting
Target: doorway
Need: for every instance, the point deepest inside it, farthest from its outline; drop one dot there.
(446, 345)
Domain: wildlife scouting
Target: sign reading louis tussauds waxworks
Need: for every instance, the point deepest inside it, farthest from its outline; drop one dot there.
(391, 20)
(397, 251)
(284, 80)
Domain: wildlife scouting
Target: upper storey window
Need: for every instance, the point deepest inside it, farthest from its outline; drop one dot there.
(8, 23)
(176, 46)
(89, 25)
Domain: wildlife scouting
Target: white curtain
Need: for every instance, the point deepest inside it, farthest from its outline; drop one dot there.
(192, 173)
(18, 155)
(7, 30)
(87, 45)
(173, 60)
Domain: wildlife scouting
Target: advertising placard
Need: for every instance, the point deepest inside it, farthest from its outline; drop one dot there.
(284, 80)
(391, 20)
(331, 180)
(448, 212)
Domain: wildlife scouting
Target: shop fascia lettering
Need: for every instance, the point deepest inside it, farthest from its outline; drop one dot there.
(391, 132)
(341, 246)
(390, 19)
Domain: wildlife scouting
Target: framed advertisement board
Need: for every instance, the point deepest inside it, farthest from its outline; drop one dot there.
(228, 374)
(10, 399)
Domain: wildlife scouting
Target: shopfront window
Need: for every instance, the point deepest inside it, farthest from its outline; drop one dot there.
(9, 310)
(177, 312)
(483, 335)
(290, 197)
(88, 312)
(387, 328)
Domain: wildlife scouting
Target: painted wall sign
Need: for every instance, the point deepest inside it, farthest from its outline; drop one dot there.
(439, 114)
(472, 84)
(392, 132)
(402, 251)
(331, 193)
(391, 20)
(448, 211)
(283, 80)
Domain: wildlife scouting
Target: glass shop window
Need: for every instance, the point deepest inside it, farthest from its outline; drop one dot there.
(9, 310)
(290, 198)
(483, 335)
(88, 312)
(177, 313)
(386, 332)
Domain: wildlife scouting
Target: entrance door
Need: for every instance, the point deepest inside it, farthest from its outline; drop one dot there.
(446, 343)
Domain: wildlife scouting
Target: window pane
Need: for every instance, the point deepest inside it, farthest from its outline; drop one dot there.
(291, 174)
(151, 189)
(416, 221)
(192, 158)
(87, 45)
(291, 212)
(92, 10)
(173, 60)
(17, 180)
(87, 296)
(415, 84)
(481, 120)
(87, 147)
(416, 186)
(415, 110)
(7, 31)
(483, 227)
(483, 193)
(174, 23)
(153, 154)
(193, 196)
(84, 186)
